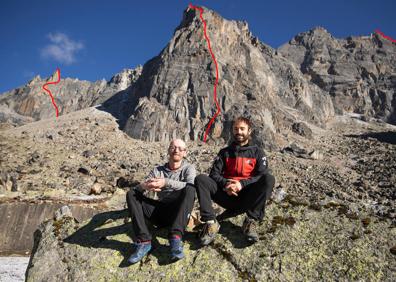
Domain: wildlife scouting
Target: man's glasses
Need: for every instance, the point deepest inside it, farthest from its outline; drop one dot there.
(173, 148)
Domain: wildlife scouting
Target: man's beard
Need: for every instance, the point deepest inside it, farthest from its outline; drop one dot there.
(241, 138)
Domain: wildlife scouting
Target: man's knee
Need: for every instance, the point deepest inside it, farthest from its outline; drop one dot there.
(268, 180)
(190, 191)
(200, 179)
(131, 196)
(265, 183)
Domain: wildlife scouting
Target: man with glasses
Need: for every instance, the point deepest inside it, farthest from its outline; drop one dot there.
(166, 198)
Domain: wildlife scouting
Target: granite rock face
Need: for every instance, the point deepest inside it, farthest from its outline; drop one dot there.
(31, 103)
(174, 94)
(359, 73)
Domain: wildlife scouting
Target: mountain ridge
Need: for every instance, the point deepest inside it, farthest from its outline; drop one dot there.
(171, 95)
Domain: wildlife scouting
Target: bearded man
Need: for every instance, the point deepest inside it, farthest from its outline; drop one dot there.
(239, 181)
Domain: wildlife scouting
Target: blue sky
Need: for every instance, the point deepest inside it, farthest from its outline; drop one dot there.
(92, 40)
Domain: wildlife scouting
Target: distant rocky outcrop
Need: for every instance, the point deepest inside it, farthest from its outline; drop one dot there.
(359, 72)
(30, 103)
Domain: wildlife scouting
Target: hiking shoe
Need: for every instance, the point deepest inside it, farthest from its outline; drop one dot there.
(176, 248)
(141, 249)
(208, 232)
(249, 228)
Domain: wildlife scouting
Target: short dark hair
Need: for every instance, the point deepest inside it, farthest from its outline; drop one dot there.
(243, 119)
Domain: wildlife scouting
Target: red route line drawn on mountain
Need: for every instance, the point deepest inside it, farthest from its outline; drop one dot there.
(385, 36)
(217, 71)
(49, 91)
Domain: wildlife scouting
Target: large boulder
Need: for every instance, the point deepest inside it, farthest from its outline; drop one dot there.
(298, 241)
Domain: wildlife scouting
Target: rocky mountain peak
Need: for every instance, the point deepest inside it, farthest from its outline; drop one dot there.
(174, 94)
(54, 77)
(314, 37)
(191, 18)
(125, 78)
(319, 31)
(34, 80)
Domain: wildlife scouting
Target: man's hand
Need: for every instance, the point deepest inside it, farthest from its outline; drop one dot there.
(233, 187)
(154, 184)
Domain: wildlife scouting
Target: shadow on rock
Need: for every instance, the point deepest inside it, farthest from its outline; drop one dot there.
(193, 240)
(92, 235)
(384, 137)
(234, 234)
(114, 106)
(37, 235)
(122, 104)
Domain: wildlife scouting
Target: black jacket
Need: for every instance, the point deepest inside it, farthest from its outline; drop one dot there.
(244, 163)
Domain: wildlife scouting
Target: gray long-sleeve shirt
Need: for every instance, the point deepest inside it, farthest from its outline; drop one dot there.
(174, 179)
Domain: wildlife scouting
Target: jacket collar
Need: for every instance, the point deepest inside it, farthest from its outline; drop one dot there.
(181, 166)
(235, 145)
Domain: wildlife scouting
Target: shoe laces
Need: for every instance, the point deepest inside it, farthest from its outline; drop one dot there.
(176, 245)
(140, 247)
(208, 228)
(175, 242)
(204, 230)
(249, 225)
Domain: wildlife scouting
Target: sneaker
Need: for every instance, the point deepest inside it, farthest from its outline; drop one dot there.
(176, 248)
(208, 232)
(249, 228)
(141, 249)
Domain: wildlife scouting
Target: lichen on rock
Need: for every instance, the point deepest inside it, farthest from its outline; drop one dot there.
(317, 246)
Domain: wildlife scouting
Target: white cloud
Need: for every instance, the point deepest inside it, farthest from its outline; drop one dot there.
(62, 48)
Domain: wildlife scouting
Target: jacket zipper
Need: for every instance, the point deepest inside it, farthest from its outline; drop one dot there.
(237, 161)
(242, 167)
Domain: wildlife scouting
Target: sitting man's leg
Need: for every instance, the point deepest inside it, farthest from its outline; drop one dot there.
(253, 199)
(184, 204)
(173, 211)
(138, 210)
(208, 190)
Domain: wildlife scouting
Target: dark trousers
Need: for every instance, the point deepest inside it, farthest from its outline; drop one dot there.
(251, 199)
(173, 211)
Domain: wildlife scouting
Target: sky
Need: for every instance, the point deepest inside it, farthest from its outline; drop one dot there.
(91, 40)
